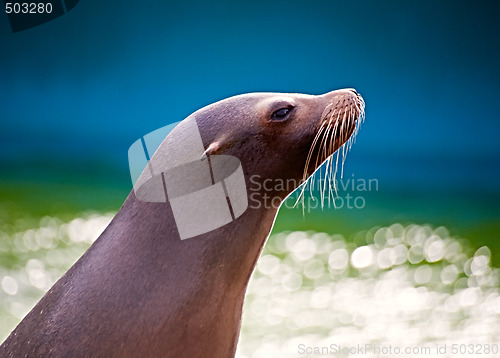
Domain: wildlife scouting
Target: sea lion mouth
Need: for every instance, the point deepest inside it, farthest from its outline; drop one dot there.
(336, 132)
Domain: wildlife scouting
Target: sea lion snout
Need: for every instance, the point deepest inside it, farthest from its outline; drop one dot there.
(343, 113)
(347, 101)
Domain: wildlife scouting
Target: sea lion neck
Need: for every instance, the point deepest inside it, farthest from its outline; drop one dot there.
(225, 256)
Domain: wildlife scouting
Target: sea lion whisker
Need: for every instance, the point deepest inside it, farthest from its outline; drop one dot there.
(323, 153)
(305, 179)
(344, 147)
(333, 170)
(327, 157)
(335, 126)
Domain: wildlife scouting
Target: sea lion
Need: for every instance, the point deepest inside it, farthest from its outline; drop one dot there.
(142, 291)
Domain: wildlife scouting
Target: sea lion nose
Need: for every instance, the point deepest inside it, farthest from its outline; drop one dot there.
(342, 93)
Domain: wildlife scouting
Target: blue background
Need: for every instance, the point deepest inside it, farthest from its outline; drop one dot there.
(76, 92)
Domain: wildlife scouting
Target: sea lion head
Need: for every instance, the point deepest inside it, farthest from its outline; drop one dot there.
(268, 144)
(281, 136)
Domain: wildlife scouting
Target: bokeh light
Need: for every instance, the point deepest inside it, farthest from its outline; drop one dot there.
(404, 285)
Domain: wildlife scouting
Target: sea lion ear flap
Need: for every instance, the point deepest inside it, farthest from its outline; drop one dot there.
(213, 148)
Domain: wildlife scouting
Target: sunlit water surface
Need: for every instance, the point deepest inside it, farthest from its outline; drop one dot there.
(312, 294)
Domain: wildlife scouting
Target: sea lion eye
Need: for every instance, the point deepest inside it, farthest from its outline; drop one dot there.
(280, 114)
